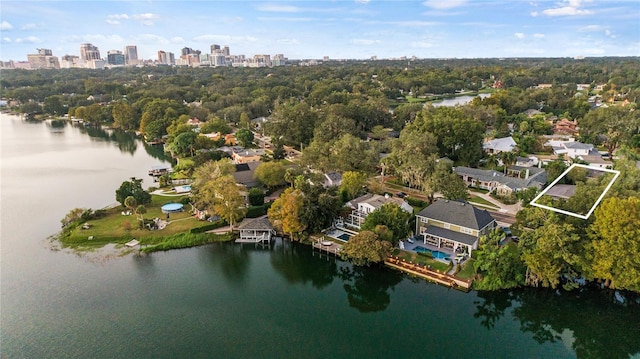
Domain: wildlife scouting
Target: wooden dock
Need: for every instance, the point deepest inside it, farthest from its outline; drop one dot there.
(429, 274)
(327, 246)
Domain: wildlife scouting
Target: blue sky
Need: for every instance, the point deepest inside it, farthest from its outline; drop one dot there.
(342, 29)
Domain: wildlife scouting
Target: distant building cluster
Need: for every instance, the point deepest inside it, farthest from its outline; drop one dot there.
(90, 58)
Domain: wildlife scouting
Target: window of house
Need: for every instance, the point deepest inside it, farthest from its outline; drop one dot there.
(466, 230)
(446, 226)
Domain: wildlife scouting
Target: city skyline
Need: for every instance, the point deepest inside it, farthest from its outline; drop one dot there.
(338, 29)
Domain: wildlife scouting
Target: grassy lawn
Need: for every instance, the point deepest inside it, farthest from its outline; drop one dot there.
(419, 259)
(482, 201)
(479, 190)
(415, 99)
(467, 271)
(119, 229)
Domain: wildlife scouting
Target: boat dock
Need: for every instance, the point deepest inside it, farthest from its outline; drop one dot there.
(429, 274)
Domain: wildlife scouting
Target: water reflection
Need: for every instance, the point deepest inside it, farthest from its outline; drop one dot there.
(368, 288)
(231, 260)
(296, 264)
(587, 322)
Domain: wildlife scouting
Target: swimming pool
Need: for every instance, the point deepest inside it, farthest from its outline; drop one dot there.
(344, 236)
(436, 254)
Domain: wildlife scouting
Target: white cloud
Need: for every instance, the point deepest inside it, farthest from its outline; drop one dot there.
(421, 44)
(590, 28)
(4, 26)
(228, 39)
(177, 40)
(6, 39)
(567, 8)
(519, 35)
(287, 19)
(29, 27)
(364, 41)
(145, 19)
(363, 1)
(444, 4)
(538, 36)
(278, 8)
(28, 40)
(534, 13)
(288, 41)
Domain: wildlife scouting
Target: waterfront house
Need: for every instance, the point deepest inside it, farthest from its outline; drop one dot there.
(363, 205)
(453, 226)
(255, 230)
(572, 149)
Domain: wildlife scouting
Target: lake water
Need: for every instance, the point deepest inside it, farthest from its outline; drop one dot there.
(458, 100)
(229, 301)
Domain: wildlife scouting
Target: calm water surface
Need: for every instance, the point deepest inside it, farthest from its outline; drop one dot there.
(225, 300)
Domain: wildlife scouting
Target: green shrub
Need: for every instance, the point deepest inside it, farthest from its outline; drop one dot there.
(258, 211)
(414, 202)
(208, 227)
(185, 200)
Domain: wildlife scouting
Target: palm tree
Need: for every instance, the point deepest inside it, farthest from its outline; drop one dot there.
(508, 158)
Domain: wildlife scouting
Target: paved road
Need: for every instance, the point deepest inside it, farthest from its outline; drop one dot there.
(505, 218)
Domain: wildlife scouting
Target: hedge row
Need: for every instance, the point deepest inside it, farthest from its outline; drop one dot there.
(208, 227)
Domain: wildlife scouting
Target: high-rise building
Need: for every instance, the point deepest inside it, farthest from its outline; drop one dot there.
(131, 55)
(162, 57)
(214, 47)
(89, 52)
(115, 57)
(225, 51)
(44, 59)
(186, 51)
(69, 61)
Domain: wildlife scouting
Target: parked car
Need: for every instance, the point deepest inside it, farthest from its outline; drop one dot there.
(515, 239)
(506, 231)
(401, 194)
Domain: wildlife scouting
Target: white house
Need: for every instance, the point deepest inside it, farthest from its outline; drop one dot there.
(572, 149)
(495, 146)
(363, 205)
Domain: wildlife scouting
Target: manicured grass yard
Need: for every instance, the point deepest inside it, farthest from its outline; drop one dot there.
(481, 201)
(419, 259)
(119, 229)
(467, 271)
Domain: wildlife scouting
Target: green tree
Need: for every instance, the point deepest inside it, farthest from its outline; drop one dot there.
(74, 215)
(256, 197)
(227, 199)
(499, 266)
(617, 124)
(391, 215)
(130, 202)
(508, 158)
(140, 212)
(550, 252)
(124, 116)
(353, 183)
(285, 212)
(270, 174)
(364, 249)
(245, 137)
(184, 144)
(615, 249)
(132, 187)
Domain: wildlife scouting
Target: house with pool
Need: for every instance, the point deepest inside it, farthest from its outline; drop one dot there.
(363, 205)
(452, 227)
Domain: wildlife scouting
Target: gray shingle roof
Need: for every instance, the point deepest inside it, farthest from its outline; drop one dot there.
(458, 213)
(449, 234)
(262, 224)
